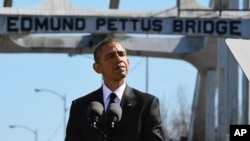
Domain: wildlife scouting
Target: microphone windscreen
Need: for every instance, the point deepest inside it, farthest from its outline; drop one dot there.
(94, 109)
(115, 110)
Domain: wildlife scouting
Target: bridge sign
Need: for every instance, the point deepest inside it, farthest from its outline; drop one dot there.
(100, 24)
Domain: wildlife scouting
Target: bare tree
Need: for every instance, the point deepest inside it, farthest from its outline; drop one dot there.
(176, 119)
(177, 123)
(164, 114)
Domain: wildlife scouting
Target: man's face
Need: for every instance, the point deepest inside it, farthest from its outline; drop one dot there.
(113, 63)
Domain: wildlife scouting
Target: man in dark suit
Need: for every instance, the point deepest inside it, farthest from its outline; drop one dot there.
(141, 119)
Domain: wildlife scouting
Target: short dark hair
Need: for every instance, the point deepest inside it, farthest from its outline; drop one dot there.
(99, 47)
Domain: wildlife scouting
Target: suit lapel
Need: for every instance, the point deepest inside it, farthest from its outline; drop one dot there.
(98, 96)
(128, 102)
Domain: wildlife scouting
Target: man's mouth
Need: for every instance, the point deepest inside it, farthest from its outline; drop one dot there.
(119, 67)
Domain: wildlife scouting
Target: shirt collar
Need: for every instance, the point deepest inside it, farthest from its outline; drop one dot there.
(119, 91)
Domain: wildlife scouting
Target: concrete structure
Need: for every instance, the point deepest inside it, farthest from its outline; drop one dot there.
(203, 32)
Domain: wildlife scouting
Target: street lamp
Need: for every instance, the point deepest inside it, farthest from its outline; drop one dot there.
(63, 97)
(27, 128)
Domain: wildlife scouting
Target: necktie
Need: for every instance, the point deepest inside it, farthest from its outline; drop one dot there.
(112, 97)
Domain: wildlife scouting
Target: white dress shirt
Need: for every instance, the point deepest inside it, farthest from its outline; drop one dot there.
(106, 92)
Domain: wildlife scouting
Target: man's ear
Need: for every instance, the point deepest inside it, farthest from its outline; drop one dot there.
(97, 68)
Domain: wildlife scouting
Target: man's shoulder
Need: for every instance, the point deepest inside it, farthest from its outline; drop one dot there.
(141, 94)
(87, 97)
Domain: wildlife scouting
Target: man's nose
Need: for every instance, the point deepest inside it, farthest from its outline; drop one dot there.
(118, 58)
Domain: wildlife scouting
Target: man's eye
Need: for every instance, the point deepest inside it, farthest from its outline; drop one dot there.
(121, 54)
(110, 56)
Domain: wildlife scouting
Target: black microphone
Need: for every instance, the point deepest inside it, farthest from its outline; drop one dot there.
(94, 112)
(114, 114)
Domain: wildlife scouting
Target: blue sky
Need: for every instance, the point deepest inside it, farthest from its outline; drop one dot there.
(20, 74)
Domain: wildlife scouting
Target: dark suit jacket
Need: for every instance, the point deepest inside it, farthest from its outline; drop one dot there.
(141, 119)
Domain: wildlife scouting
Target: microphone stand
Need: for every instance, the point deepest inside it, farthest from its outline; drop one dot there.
(108, 123)
(103, 133)
(105, 137)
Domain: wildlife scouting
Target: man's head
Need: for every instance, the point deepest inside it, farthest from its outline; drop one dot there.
(111, 60)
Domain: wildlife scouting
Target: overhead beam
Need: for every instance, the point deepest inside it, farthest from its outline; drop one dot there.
(135, 45)
(7, 3)
(114, 4)
(219, 4)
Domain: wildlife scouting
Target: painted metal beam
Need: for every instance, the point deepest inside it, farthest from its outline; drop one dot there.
(7, 3)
